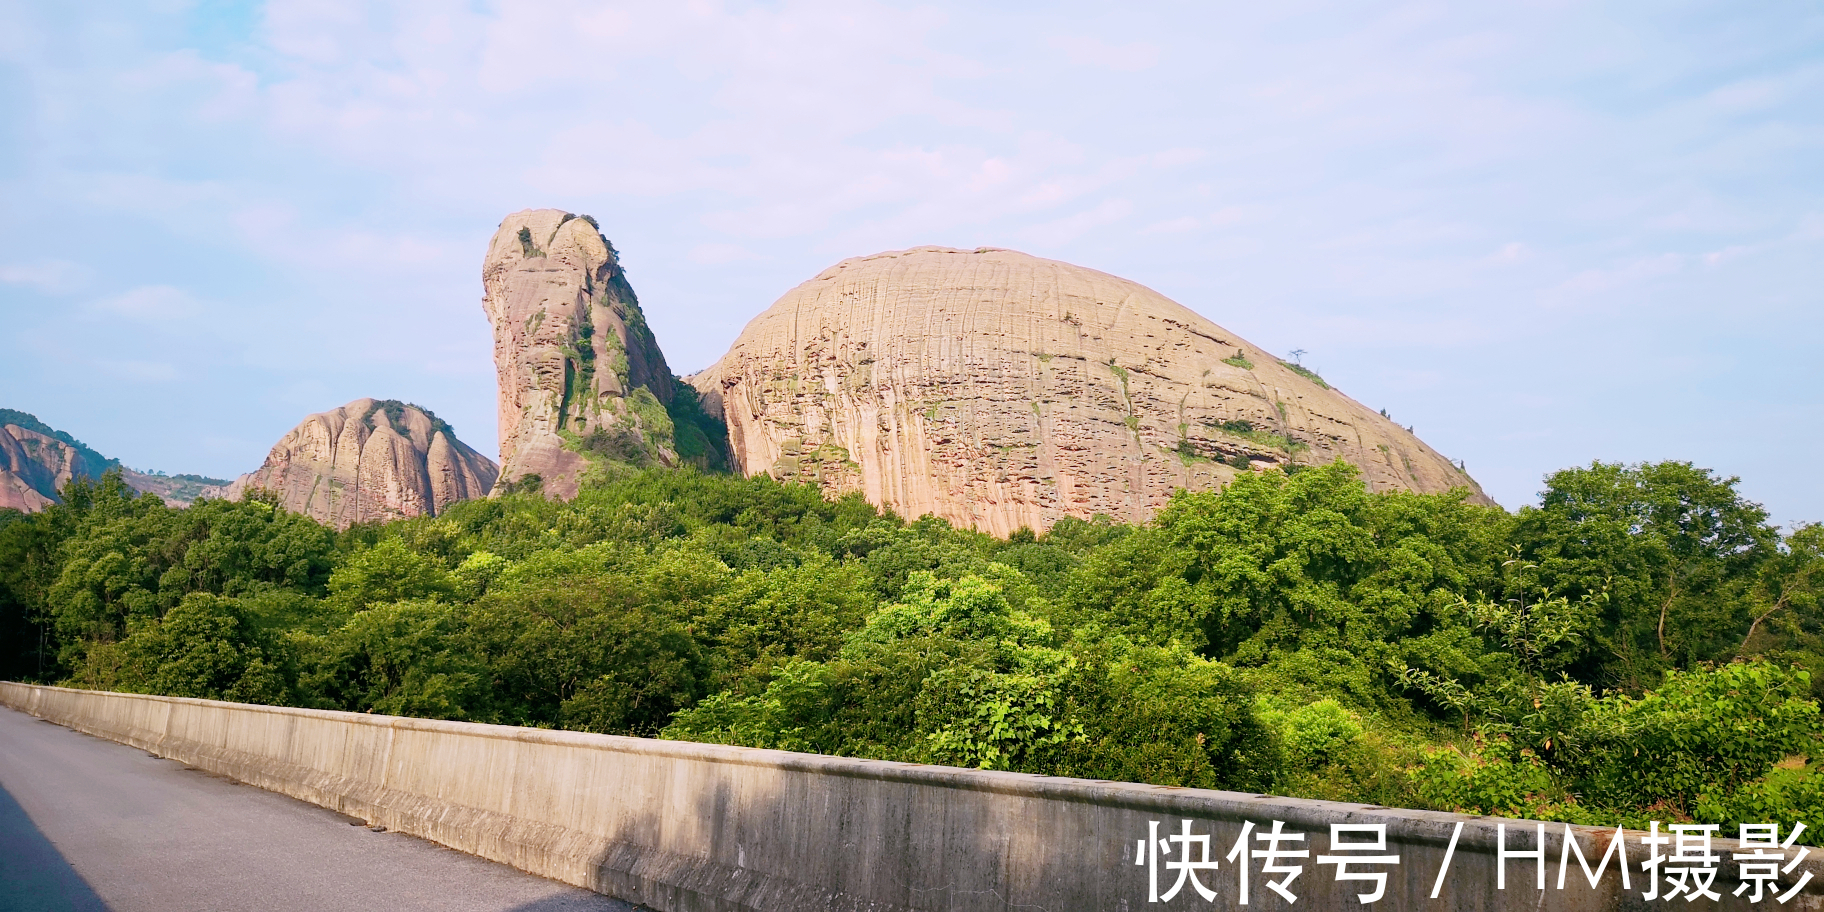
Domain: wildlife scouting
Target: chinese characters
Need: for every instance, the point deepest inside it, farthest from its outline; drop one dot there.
(1683, 863)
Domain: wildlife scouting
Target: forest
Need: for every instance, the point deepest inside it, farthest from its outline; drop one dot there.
(1642, 645)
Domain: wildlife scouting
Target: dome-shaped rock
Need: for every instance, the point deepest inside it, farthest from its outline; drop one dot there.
(999, 390)
(370, 460)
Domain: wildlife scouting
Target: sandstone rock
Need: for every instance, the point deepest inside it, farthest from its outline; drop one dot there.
(370, 460)
(36, 461)
(999, 390)
(175, 490)
(577, 364)
(35, 464)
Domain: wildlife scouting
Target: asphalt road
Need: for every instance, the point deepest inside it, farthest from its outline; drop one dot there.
(87, 824)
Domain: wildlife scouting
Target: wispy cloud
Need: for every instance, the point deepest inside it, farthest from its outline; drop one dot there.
(1094, 52)
(150, 303)
(1450, 203)
(51, 276)
(141, 371)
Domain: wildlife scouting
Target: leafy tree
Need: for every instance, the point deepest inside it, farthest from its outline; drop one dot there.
(1294, 632)
(1788, 593)
(129, 557)
(402, 658)
(1670, 549)
(30, 563)
(389, 572)
(203, 648)
(954, 674)
(1162, 715)
(1721, 744)
(766, 619)
(595, 639)
(1317, 582)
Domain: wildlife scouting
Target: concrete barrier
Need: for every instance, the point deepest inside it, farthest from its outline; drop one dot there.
(687, 827)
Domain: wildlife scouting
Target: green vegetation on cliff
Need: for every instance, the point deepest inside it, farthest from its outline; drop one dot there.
(30, 422)
(1641, 645)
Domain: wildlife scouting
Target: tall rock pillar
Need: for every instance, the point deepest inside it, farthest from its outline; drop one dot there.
(579, 369)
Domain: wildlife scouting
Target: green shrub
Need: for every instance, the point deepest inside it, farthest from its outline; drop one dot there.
(1785, 795)
(1305, 372)
(202, 648)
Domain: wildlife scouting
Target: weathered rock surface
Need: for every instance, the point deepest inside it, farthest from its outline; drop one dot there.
(175, 490)
(1000, 390)
(578, 366)
(35, 465)
(370, 460)
(37, 460)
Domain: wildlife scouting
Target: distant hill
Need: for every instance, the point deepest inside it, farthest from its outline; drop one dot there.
(37, 460)
(30, 422)
(175, 489)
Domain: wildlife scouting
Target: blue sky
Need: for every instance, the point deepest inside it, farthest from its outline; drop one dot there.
(1539, 233)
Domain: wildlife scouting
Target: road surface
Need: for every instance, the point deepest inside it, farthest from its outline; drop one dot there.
(88, 824)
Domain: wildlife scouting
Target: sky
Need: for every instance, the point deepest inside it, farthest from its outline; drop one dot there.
(1539, 233)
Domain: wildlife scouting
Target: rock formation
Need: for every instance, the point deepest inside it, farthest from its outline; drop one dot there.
(370, 460)
(175, 490)
(36, 462)
(999, 390)
(579, 370)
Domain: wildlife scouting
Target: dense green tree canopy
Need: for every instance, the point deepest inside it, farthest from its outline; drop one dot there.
(1291, 632)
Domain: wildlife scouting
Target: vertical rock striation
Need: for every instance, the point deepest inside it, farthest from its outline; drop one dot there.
(370, 460)
(37, 460)
(1000, 390)
(579, 370)
(34, 466)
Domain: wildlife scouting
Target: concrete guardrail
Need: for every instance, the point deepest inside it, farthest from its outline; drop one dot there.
(685, 827)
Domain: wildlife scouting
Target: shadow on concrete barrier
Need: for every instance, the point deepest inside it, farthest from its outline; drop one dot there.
(684, 827)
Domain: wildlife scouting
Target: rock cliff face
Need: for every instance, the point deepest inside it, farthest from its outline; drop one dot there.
(37, 460)
(578, 366)
(35, 465)
(370, 460)
(999, 390)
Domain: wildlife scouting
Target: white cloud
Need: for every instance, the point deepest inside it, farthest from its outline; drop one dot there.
(1094, 52)
(1512, 252)
(1607, 280)
(1409, 177)
(1071, 227)
(1811, 227)
(51, 276)
(1174, 226)
(141, 371)
(150, 303)
(1716, 258)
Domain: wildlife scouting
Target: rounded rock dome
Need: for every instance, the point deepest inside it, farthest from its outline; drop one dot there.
(1000, 390)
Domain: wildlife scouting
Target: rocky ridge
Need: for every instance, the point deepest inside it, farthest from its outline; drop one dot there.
(579, 370)
(370, 460)
(999, 390)
(36, 462)
(175, 490)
